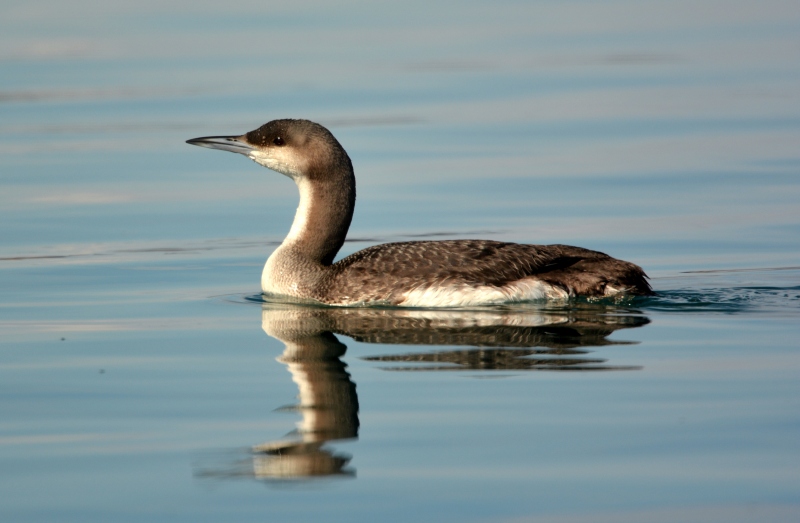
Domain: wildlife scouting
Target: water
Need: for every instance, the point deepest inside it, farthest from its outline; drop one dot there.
(143, 378)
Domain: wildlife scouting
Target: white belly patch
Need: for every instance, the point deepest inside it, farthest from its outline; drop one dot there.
(466, 295)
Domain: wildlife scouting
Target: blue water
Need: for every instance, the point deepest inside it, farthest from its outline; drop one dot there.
(143, 378)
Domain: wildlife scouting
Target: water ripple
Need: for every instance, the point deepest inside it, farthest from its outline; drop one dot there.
(726, 300)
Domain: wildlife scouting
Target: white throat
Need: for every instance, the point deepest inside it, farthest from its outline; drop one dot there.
(279, 160)
(302, 215)
(280, 274)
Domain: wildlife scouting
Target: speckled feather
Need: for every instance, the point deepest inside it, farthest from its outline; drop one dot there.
(387, 272)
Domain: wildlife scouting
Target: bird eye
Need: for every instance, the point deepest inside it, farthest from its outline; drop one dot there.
(278, 141)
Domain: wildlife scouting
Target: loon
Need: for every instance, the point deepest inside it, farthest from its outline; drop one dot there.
(448, 273)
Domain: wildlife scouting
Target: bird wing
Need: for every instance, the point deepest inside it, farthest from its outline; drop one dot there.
(387, 270)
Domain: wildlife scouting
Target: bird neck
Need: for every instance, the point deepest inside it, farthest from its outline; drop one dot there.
(323, 216)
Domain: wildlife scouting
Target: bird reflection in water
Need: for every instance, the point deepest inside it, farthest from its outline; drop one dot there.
(328, 400)
(518, 339)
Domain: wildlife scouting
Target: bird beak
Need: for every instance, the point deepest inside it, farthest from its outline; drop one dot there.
(234, 144)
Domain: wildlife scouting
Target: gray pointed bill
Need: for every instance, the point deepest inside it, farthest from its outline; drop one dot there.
(234, 144)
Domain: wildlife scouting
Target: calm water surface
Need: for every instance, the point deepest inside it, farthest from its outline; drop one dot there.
(143, 378)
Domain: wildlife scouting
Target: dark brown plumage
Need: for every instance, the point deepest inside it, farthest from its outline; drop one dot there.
(384, 272)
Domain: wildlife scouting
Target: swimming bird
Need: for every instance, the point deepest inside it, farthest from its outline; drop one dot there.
(448, 273)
